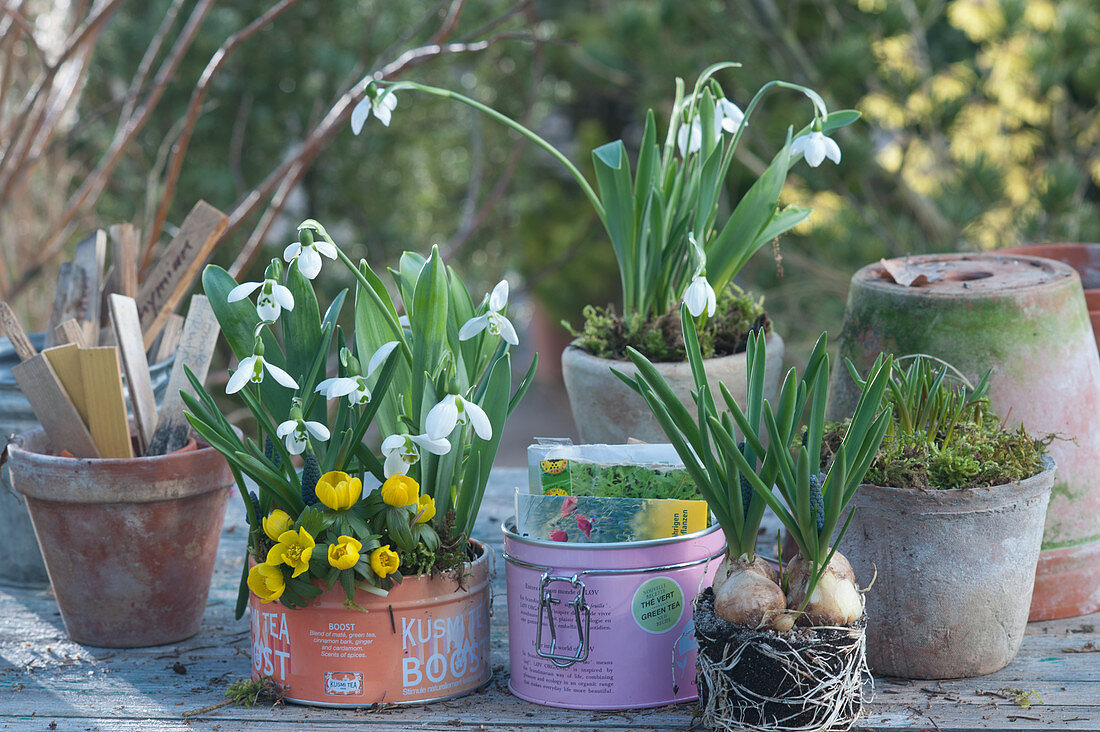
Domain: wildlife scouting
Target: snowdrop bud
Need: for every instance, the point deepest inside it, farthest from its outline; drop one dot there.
(274, 270)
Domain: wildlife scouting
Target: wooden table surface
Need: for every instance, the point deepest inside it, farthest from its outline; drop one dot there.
(47, 682)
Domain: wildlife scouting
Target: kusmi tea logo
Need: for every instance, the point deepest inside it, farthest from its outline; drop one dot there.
(343, 683)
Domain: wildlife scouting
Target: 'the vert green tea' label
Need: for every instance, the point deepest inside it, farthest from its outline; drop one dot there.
(657, 605)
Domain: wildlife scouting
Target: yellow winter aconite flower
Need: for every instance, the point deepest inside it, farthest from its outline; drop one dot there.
(338, 490)
(344, 554)
(294, 550)
(425, 506)
(266, 582)
(400, 490)
(384, 561)
(276, 522)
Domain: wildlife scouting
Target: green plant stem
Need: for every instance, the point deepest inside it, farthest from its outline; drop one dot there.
(589, 192)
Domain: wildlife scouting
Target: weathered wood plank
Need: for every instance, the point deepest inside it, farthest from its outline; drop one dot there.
(200, 333)
(176, 270)
(127, 327)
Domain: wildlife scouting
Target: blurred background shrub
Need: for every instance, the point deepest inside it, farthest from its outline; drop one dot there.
(980, 130)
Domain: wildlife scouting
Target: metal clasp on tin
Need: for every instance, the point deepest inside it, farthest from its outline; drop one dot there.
(582, 615)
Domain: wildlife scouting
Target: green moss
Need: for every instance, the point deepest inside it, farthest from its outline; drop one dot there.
(607, 335)
(979, 455)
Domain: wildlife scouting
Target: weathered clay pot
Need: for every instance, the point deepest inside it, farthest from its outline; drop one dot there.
(20, 561)
(1025, 318)
(129, 544)
(1084, 258)
(427, 640)
(607, 411)
(955, 571)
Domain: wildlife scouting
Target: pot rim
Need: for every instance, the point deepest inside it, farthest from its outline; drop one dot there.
(976, 498)
(869, 277)
(575, 351)
(150, 478)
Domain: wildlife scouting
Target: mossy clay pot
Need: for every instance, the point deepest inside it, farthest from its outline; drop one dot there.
(1024, 318)
(1084, 258)
(608, 412)
(953, 574)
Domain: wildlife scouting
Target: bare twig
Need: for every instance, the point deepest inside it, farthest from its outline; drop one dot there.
(194, 106)
(303, 156)
(96, 181)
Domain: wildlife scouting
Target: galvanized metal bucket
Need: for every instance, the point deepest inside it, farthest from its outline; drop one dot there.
(20, 560)
(606, 626)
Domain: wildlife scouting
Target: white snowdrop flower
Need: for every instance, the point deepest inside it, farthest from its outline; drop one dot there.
(689, 138)
(252, 369)
(699, 296)
(353, 387)
(402, 451)
(815, 146)
(381, 106)
(272, 300)
(296, 433)
(309, 255)
(727, 116)
(453, 410)
(379, 356)
(494, 320)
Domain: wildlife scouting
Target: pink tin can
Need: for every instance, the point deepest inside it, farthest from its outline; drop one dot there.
(606, 626)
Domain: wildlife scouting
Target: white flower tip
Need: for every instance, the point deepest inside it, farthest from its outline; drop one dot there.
(499, 298)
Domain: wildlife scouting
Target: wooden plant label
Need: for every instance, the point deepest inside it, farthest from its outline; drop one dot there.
(200, 333)
(51, 404)
(89, 260)
(65, 361)
(9, 326)
(71, 331)
(127, 327)
(106, 405)
(177, 268)
(66, 300)
(169, 338)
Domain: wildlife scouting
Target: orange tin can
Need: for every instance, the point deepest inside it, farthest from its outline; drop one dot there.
(426, 641)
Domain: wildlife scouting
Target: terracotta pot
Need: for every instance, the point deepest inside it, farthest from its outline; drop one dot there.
(1025, 318)
(607, 411)
(21, 563)
(955, 571)
(1084, 258)
(129, 544)
(428, 640)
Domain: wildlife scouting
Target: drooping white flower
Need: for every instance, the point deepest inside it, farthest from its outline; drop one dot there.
(309, 255)
(379, 356)
(296, 433)
(381, 105)
(252, 369)
(816, 147)
(699, 296)
(453, 410)
(353, 387)
(402, 451)
(689, 138)
(727, 116)
(494, 320)
(270, 303)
